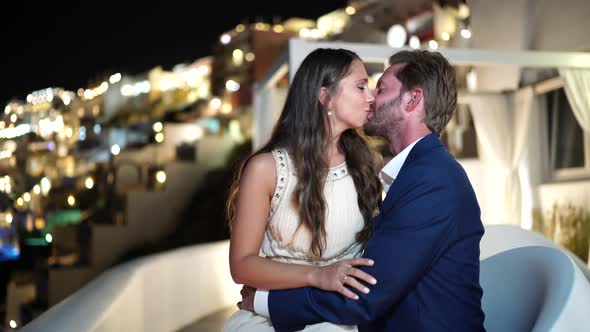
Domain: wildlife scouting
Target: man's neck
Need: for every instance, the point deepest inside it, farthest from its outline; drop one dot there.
(403, 139)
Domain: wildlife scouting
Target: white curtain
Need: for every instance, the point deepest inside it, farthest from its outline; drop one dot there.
(577, 89)
(502, 124)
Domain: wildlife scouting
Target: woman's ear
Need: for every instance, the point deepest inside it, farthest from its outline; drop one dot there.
(324, 97)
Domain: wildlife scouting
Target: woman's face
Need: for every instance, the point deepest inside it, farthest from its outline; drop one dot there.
(352, 101)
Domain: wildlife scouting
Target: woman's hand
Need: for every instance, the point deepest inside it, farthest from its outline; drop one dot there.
(333, 277)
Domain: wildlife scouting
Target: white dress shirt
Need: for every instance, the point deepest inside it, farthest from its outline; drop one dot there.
(387, 175)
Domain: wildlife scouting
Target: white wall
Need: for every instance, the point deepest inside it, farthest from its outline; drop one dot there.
(562, 25)
(162, 292)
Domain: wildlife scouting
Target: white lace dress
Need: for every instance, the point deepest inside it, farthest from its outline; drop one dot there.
(283, 242)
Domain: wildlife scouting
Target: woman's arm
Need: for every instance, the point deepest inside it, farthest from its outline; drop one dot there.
(257, 185)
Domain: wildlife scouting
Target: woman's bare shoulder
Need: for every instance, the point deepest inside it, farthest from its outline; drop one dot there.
(260, 170)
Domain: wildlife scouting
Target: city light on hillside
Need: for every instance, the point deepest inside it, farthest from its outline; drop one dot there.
(225, 39)
(115, 149)
(45, 185)
(71, 200)
(157, 126)
(232, 85)
(215, 103)
(115, 78)
(159, 137)
(89, 182)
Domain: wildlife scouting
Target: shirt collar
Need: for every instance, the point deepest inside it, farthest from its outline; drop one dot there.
(393, 167)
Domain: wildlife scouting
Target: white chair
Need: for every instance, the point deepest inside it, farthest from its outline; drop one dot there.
(499, 238)
(535, 288)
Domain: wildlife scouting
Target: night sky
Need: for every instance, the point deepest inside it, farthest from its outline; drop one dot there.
(69, 44)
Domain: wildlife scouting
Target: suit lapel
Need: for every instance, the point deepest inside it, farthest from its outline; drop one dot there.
(405, 178)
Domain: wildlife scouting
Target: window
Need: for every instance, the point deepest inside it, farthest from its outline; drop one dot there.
(568, 145)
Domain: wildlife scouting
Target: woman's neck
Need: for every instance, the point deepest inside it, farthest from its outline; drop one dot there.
(335, 156)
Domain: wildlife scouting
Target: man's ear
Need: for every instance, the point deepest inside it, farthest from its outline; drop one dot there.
(413, 99)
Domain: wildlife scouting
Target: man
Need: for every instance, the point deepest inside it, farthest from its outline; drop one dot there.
(425, 241)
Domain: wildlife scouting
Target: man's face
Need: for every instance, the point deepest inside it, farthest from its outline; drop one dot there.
(386, 117)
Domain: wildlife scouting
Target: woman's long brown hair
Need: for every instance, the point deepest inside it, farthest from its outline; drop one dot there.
(302, 129)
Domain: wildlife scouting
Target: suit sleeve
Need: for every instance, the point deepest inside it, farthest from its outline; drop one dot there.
(404, 244)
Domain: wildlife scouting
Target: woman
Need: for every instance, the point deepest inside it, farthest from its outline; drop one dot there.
(305, 199)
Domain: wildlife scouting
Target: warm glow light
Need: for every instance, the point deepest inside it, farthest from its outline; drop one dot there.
(414, 42)
(27, 197)
(115, 78)
(157, 126)
(71, 200)
(13, 118)
(48, 238)
(433, 44)
(20, 201)
(115, 149)
(159, 137)
(37, 189)
(465, 33)
(161, 176)
(69, 132)
(350, 10)
(445, 36)
(89, 183)
(13, 324)
(88, 94)
(8, 217)
(240, 27)
(396, 35)
(278, 28)
(250, 56)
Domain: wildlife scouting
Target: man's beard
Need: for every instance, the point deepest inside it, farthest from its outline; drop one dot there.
(386, 119)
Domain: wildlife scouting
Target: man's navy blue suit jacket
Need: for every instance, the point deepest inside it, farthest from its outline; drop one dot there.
(425, 244)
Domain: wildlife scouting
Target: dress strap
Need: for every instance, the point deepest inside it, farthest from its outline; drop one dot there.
(282, 166)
